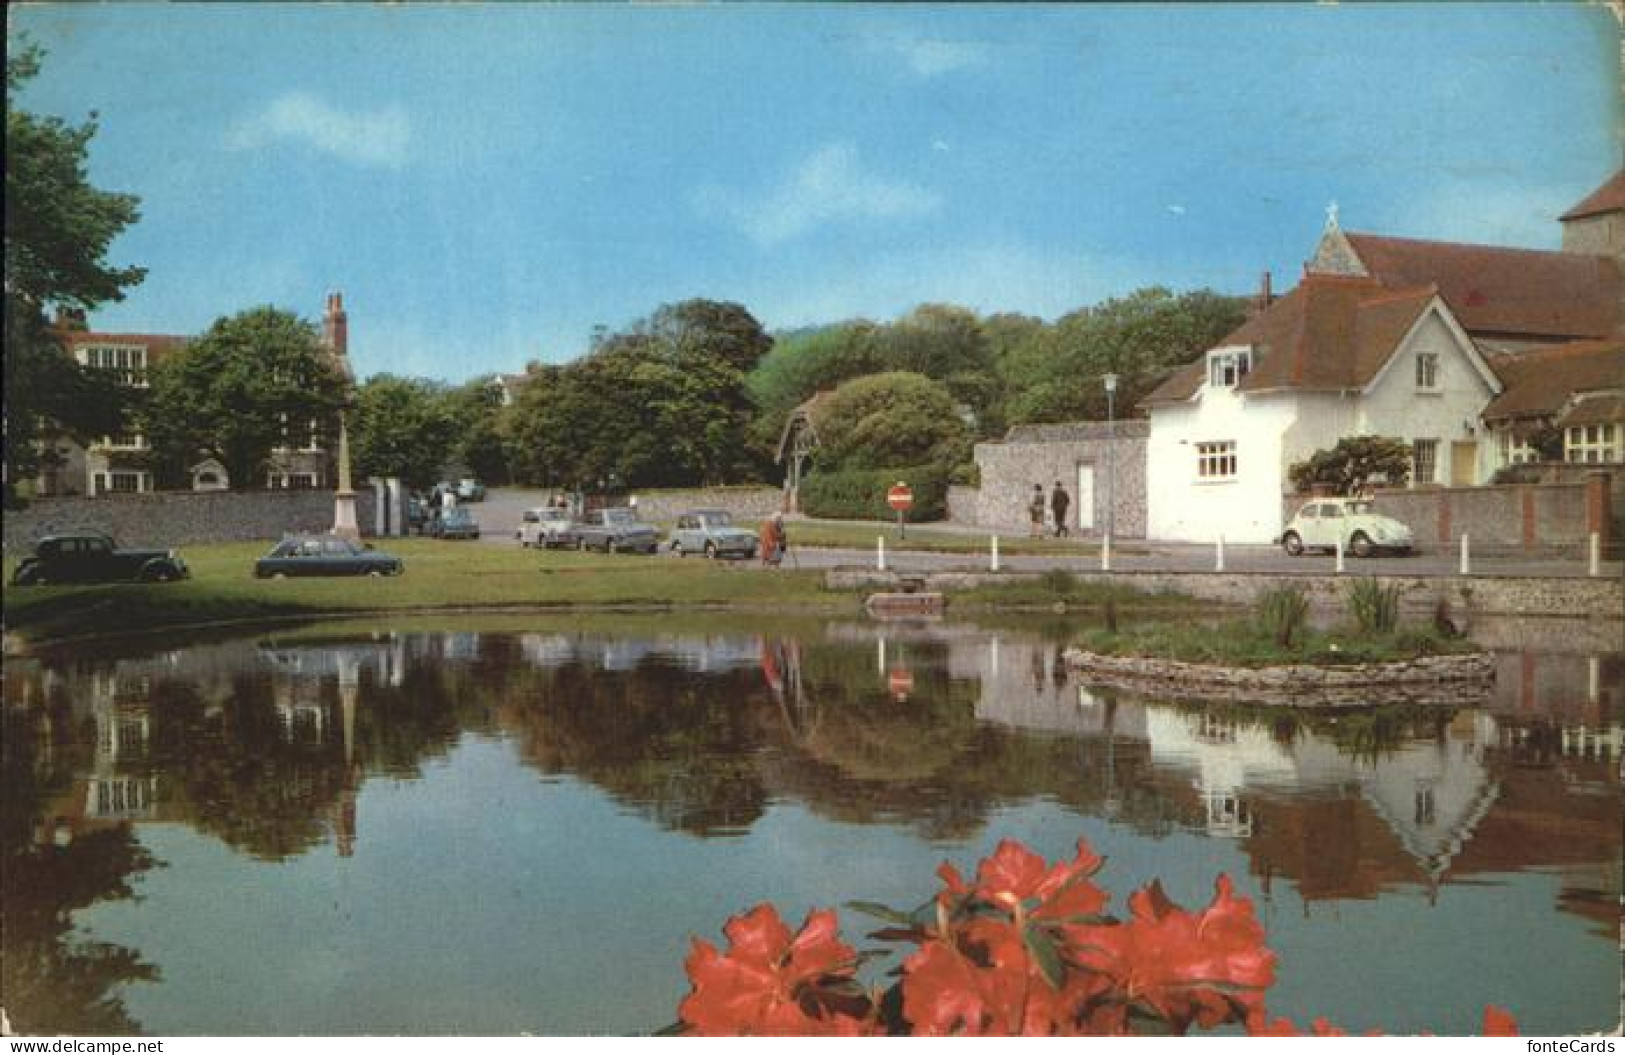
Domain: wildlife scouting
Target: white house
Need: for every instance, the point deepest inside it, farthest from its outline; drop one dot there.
(1340, 355)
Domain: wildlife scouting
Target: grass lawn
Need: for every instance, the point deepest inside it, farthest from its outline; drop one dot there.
(1240, 643)
(439, 575)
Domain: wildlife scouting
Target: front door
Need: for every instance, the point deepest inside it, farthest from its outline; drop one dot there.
(1084, 506)
(1463, 463)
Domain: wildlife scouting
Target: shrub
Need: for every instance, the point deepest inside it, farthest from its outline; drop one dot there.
(1059, 581)
(1282, 613)
(1021, 948)
(1375, 607)
(860, 494)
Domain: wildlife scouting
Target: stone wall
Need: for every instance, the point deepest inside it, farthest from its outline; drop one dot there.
(1467, 598)
(182, 518)
(1551, 518)
(1043, 454)
(745, 503)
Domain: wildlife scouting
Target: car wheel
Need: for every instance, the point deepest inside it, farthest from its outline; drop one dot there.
(677, 548)
(1360, 545)
(279, 575)
(711, 550)
(374, 573)
(1292, 544)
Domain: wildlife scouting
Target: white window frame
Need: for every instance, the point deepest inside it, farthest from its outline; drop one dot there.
(102, 482)
(136, 441)
(1431, 445)
(1515, 449)
(1225, 369)
(1216, 461)
(284, 481)
(1592, 444)
(127, 361)
(1427, 371)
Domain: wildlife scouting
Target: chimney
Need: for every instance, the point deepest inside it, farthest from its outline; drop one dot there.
(1263, 299)
(336, 325)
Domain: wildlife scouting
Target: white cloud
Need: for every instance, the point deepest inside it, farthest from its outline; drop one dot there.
(831, 186)
(928, 56)
(367, 138)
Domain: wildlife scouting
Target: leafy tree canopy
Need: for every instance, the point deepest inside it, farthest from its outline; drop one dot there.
(58, 231)
(254, 382)
(404, 427)
(1354, 463)
(890, 419)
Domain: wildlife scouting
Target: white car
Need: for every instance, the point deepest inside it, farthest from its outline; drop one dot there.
(546, 527)
(1321, 523)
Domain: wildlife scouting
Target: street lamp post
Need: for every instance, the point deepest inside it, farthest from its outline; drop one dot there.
(1110, 381)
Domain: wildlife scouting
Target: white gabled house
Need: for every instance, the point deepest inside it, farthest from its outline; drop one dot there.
(1340, 355)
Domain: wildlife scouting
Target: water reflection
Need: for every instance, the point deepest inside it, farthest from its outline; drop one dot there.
(929, 731)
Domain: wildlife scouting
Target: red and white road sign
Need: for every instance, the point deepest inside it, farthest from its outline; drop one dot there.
(900, 497)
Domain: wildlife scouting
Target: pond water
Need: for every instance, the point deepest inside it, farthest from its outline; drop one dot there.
(516, 826)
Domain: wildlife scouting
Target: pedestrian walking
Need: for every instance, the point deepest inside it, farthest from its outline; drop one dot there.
(773, 540)
(1035, 511)
(1059, 503)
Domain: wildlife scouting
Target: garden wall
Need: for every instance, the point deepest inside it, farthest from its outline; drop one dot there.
(182, 518)
(1554, 518)
(1043, 454)
(745, 503)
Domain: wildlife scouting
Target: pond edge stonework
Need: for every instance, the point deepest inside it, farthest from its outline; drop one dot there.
(1445, 680)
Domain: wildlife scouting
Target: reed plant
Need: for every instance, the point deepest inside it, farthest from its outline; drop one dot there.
(1375, 607)
(1282, 612)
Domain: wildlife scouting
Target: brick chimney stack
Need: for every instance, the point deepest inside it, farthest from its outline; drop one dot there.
(1263, 299)
(336, 326)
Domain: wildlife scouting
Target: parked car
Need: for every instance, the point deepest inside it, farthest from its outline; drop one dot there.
(1321, 523)
(470, 490)
(713, 533)
(324, 555)
(616, 529)
(455, 522)
(96, 558)
(546, 527)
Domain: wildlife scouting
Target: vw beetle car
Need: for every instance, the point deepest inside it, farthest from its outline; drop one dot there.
(1321, 523)
(305, 555)
(96, 558)
(713, 533)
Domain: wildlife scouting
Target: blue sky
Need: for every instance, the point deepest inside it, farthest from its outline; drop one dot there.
(487, 182)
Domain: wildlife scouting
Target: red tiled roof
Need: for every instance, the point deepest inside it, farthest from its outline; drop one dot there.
(1610, 197)
(1496, 290)
(75, 338)
(1538, 383)
(1597, 410)
(1331, 333)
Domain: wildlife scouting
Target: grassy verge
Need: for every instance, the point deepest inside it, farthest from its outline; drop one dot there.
(439, 575)
(1243, 644)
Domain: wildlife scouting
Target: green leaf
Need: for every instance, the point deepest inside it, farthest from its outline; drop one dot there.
(882, 912)
(1045, 954)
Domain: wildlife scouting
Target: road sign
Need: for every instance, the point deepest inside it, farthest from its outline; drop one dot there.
(900, 497)
(901, 682)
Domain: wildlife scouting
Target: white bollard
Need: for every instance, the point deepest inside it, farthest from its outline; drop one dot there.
(1595, 567)
(1106, 552)
(1218, 554)
(1466, 555)
(1338, 567)
(880, 552)
(993, 554)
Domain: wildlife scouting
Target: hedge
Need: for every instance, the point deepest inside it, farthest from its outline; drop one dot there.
(860, 494)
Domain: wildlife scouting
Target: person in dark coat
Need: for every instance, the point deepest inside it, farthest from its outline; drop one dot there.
(1059, 503)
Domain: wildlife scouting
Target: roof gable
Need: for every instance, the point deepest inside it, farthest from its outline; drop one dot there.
(1610, 197)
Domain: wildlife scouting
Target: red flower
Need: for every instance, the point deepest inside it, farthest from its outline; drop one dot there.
(1498, 1022)
(983, 982)
(1015, 876)
(768, 983)
(1185, 967)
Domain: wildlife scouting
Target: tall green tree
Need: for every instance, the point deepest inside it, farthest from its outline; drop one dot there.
(403, 427)
(58, 233)
(481, 441)
(890, 419)
(253, 382)
(1054, 374)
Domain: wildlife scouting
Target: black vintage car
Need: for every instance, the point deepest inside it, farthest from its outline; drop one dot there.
(96, 558)
(324, 555)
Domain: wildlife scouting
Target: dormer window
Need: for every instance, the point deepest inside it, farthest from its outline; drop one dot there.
(1226, 369)
(1427, 370)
